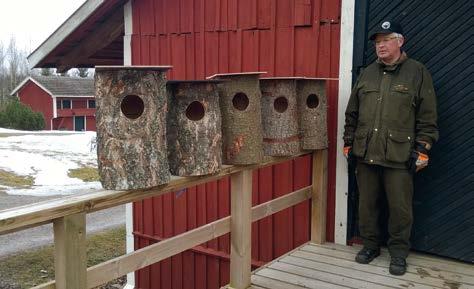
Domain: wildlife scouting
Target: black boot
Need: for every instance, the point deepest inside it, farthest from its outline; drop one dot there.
(398, 266)
(366, 255)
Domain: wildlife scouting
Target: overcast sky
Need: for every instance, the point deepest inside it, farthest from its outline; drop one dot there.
(32, 21)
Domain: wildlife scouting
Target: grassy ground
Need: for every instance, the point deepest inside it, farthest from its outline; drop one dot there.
(13, 180)
(35, 267)
(87, 174)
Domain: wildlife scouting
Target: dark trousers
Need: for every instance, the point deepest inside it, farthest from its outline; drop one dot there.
(397, 184)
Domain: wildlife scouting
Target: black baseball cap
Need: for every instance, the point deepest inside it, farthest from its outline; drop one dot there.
(386, 27)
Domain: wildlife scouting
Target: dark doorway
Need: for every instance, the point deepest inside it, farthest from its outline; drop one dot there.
(79, 123)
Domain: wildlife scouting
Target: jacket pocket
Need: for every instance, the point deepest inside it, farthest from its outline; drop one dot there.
(399, 146)
(399, 106)
(368, 99)
(359, 146)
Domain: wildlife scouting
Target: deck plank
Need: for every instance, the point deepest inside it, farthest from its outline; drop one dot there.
(433, 264)
(296, 266)
(333, 266)
(376, 274)
(413, 255)
(383, 269)
(298, 280)
(270, 283)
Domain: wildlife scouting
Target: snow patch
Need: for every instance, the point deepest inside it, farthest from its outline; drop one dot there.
(48, 158)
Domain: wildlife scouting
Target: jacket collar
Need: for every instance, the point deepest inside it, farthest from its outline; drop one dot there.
(394, 66)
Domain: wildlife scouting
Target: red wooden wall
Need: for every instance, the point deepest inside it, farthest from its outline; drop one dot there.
(203, 37)
(63, 123)
(39, 101)
(90, 123)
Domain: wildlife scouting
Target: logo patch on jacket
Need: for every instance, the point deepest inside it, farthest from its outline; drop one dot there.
(400, 87)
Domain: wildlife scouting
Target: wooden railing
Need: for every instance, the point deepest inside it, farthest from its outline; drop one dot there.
(68, 216)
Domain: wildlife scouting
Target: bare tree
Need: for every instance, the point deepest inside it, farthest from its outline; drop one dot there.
(2, 72)
(13, 67)
(13, 62)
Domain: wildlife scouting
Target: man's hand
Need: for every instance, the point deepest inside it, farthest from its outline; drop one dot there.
(421, 161)
(419, 158)
(347, 150)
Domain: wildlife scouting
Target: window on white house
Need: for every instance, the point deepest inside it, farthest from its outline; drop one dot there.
(91, 103)
(66, 103)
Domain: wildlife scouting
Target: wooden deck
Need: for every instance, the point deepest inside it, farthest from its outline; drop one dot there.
(332, 266)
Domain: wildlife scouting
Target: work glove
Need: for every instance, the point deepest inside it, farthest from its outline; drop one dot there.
(348, 154)
(418, 159)
(347, 151)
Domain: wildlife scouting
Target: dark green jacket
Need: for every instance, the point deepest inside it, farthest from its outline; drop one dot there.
(391, 108)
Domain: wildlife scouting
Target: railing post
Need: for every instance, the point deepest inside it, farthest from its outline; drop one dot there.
(70, 259)
(240, 229)
(318, 208)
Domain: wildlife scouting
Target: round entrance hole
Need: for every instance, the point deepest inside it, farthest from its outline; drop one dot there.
(132, 106)
(195, 111)
(240, 101)
(312, 101)
(280, 104)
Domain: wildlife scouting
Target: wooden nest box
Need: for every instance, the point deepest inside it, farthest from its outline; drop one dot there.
(312, 111)
(240, 98)
(280, 116)
(131, 126)
(194, 128)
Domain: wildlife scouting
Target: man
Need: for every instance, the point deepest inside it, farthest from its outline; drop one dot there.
(390, 128)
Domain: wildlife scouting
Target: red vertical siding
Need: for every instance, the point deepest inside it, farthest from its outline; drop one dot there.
(200, 38)
(90, 123)
(63, 123)
(38, 100)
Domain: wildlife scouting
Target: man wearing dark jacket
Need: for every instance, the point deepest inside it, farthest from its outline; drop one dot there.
(390, 128)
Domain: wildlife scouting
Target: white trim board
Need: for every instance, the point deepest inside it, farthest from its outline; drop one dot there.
(23, 83)
(58, 36)
(127, 60)
(345, 87)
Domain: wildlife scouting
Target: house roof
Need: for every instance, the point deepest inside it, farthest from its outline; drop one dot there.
(59, 86)
(92, 35)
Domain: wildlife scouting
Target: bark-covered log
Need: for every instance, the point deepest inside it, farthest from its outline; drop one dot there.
(131, 127)
(194, 128)
(312, 111)
(279, 117)
(241, 118)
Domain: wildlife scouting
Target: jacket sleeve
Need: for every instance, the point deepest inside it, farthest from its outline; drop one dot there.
(352, 115)
(426, 116)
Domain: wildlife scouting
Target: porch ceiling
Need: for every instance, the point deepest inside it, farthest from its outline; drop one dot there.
(92, 35)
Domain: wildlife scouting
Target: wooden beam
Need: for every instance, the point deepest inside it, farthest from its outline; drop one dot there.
(15, 219)
(70, 260)
(241, 229)
(319, 199)
(101, 37)
(136, 260)
(117, 267)
(271, 207)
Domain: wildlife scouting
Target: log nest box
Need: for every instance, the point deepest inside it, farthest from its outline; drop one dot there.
(312, 111)
(240, 98)
(131, 126)
(194, 128)
(280, 116)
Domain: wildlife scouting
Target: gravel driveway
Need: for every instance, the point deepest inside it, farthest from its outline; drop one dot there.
(43, 235)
